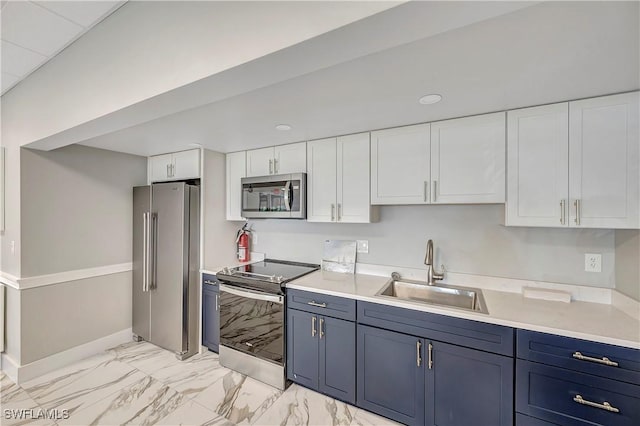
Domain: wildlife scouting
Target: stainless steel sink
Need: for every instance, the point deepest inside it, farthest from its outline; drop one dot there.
(467, 298)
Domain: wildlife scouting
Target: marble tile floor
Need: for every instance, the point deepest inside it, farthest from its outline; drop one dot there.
(141, 384)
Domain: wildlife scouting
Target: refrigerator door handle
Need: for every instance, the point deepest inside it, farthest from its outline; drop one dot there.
(145, 250)
(152, 285)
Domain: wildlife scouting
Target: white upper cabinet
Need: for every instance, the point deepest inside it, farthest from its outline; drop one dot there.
(604, 161)
(282, 159)
(575, 164)
(538, 166)
(353, 203)
(260, 162)
(175, 166)
(291, 158)
(468, 160)
(321, 180)
(338, 180)
(236, 170)
(400, 165)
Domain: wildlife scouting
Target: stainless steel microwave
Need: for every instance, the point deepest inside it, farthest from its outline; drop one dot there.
(275, 196)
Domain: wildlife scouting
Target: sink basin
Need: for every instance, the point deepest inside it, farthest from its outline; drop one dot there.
(467, 298)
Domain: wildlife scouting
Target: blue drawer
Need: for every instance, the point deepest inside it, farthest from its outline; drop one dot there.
(473, 334)
(580, 355)
(548, 393)
(210, 280)
(332, 306)
(522, 420)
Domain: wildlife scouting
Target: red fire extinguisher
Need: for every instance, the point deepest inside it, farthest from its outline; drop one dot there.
(242, 243)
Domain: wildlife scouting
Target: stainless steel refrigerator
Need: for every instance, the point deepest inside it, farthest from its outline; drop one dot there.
(166, 247)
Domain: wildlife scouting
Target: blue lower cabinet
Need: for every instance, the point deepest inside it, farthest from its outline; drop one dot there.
(210, 315)
(566, 397)
(522, 420)
(337, 358)
(468, 387)
(302, 348)
(321, 354)
(391, 374)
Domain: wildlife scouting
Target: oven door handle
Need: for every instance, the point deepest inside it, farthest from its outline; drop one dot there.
(253, 294)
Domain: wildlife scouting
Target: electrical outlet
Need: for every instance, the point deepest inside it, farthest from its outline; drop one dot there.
(254, 238)
(363, 246)
(593, 262)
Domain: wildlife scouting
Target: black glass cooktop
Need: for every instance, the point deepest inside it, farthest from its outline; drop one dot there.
(268, 271)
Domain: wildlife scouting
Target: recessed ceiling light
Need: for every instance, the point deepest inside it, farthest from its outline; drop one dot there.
(430, 99)
(283, 127)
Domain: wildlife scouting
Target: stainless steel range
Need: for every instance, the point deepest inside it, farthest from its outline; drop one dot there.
(252, 318)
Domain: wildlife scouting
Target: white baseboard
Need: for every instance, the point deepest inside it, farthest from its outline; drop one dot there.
(22, 373)
(9, 367)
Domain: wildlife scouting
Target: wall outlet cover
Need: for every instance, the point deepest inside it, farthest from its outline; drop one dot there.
(593, 262)
(363, 246)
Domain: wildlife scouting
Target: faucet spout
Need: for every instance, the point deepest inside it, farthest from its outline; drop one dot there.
(432, 275)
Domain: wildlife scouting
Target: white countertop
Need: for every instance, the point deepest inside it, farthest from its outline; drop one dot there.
(582, 320)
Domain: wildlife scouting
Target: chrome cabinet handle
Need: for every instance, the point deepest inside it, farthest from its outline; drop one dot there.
(430, 356)
(168, 172)
(270, 167)
(313, 327)
(418, 357)
(275, 165)
(316, 304)
(562, 210)
(604, 360)
(333, 207)
(604, 406)
(217, 302)
(209, 282)
(434, 193)
(321, 327)
(426, 191)
(339, 208)
(576, 204)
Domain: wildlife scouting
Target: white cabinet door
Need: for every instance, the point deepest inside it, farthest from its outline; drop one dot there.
(160, 167)
(260, 162)
(400, 165)
(290, 158)
(538, 166)
(468, 160)
(236, 170)
(353, 204)
(186, 165)
(321, 180)
(603, 162)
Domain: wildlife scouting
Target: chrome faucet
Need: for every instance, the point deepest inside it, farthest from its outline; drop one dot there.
(432, 275)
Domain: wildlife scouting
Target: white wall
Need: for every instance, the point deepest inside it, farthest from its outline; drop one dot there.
(76, 208)
(217, 231)
(468, 239)
(628, 262)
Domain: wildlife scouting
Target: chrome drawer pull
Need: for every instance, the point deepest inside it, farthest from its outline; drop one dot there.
(604, 406)
(316, 304)
(210, 282)
(604, 360)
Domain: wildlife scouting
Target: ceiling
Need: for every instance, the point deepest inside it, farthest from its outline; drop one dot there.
(33, 32)
(545, 53)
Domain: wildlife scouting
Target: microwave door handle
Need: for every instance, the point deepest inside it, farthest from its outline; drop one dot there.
(288, 195)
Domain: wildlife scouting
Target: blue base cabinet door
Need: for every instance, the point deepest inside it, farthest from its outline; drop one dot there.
(391, 375)
(210, 317)
(338, 358)
(468, 387)
(302, 348)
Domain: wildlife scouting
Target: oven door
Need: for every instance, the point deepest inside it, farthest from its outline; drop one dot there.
(252, 322)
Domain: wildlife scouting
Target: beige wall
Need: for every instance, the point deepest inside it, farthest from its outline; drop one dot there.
(60, 316)
(468, 239)
(12, 323)
(76, 208)
(628, 262)
(219, 235)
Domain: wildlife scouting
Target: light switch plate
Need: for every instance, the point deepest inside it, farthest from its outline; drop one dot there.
(593, 262)
(363, 246)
